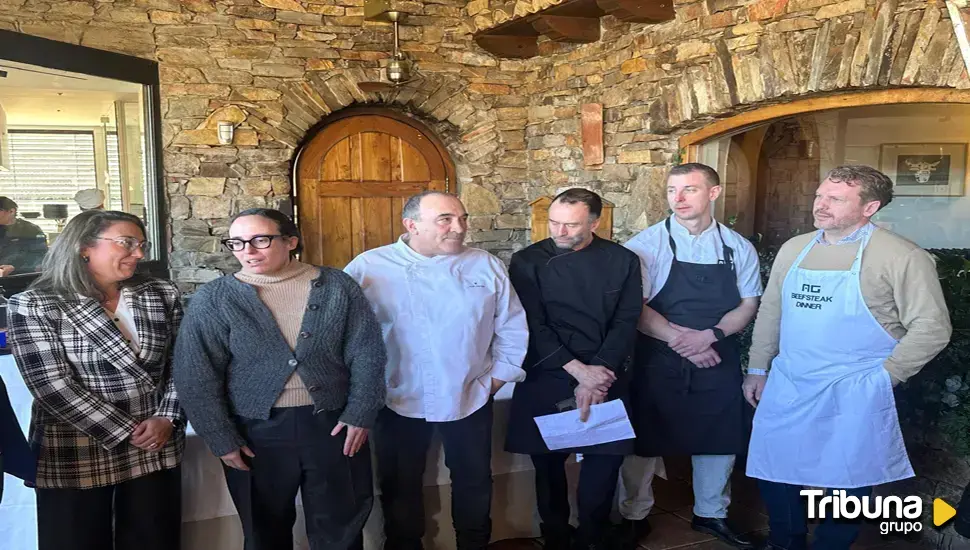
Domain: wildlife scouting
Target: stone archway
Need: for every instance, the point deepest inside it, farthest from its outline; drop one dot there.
(468, 128)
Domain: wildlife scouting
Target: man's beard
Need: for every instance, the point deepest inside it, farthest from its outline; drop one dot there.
(570, 244)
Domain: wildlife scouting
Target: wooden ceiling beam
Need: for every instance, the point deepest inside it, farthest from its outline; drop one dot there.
(509, 46)
(562, 28)
(639, 11)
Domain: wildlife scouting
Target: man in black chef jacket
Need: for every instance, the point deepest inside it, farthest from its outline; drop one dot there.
(701, 287)
(582, 298)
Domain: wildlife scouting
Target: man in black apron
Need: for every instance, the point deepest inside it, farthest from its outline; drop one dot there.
(582, 299)
(701, 287)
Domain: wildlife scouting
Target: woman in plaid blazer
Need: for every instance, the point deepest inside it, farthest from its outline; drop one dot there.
(93, 342)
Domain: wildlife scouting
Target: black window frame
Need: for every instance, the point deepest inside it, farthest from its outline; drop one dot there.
(42, 52)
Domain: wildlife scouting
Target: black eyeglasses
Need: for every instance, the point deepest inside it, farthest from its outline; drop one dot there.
(259, 241)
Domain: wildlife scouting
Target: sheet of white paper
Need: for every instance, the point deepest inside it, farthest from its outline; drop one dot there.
(607, 422)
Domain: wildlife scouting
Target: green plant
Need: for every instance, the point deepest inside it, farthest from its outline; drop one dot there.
(937, 400)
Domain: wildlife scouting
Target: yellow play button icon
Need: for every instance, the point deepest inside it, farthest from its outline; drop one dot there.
(942, 512)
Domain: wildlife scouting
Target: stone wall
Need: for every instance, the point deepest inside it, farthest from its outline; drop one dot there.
(277, 67)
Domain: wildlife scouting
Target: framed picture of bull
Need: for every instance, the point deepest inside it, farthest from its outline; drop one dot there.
(925, 169)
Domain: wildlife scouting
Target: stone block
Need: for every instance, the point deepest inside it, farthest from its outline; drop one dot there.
(159, 17)
(257, 187)
(79, 10)
(840, 8)
(278, 70)
(209, 187)
(205, 207)
(179, 207)
(286, 5)
(254, 94)
(766, 9)
(227, 76)
(479, 200)
(181, 164)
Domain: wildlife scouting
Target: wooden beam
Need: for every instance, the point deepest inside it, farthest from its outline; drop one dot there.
(592, 129)
(519, 47)
(749, 119)
(639, 11)
(368, 189)
(562, 28)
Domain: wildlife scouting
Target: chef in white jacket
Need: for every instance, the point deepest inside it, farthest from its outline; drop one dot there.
(455, 333)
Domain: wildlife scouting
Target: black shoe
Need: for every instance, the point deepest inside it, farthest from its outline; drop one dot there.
(628, 534)
(557, 539)
(720, 529)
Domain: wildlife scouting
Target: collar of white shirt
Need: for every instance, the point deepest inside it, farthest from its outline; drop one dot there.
(850, 238)
(414, 256)
(678, 229)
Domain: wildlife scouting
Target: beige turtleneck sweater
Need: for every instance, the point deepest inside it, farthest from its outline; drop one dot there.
(286, 294)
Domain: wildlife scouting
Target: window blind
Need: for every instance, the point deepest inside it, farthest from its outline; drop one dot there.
(48, 167)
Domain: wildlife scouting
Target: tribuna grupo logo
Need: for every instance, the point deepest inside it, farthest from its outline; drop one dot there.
(898, 514)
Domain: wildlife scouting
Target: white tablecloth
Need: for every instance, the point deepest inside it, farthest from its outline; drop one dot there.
(204, 492)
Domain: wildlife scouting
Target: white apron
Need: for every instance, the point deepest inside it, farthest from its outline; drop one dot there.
(827, 416)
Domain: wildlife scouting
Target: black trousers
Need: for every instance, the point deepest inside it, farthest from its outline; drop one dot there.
(295, 451)
(597, 486)
(141, 514)
(402, 452)
(788, 519)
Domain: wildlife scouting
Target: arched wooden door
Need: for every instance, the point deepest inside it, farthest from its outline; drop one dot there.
(353, 178)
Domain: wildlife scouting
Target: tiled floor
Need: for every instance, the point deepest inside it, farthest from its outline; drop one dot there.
(670, 518)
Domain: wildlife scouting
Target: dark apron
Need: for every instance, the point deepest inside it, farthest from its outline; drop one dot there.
(678, 408)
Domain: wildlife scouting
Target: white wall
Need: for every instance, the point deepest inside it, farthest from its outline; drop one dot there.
(931, 222)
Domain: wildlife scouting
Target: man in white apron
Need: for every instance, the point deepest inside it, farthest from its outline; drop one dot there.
(849, 311)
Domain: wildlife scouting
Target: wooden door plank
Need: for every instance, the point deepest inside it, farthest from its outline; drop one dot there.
(358, 226)
(315, 220)
(356, 158)
(310, 222)
(396, 159)
(370, 188)
(336, 165)
(377, 227)
(375, 150)
(335, 224)
(414, 167)
(397, 226)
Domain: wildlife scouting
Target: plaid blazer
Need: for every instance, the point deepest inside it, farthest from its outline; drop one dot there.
(90, 388)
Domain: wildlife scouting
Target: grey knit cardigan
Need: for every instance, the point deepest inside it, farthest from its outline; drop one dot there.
(231, 359)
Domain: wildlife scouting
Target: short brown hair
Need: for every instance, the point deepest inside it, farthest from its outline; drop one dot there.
(710, 174)
(874, 185)
(579, 195)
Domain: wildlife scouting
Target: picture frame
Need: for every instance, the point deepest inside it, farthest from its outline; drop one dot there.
(925, 169)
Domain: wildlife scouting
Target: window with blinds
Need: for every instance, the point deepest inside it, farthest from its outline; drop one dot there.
(48, 167)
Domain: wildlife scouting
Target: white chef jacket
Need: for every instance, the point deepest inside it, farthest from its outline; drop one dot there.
(451, 323)
(653, 248)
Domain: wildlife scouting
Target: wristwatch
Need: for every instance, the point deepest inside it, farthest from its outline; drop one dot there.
(718, 333)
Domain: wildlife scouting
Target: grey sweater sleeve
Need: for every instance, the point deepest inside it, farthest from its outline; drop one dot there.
(199, 367)
(366, 357)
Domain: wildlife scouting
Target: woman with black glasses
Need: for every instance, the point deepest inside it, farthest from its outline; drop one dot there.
(93, 342)
(281, 371)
